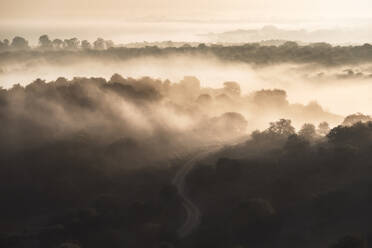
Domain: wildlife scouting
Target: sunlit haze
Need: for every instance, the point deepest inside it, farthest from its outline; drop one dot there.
(185, 123)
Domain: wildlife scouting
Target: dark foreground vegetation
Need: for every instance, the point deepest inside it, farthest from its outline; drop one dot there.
(58, 50)
(75, 172)
(285, 190)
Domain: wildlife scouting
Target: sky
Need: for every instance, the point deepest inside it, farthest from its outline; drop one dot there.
(126, 21)
(101, 10)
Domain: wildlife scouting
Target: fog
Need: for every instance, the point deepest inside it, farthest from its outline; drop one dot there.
(185, 124)
(167, 144)
(96, 155)
(353, 34)
(330, 87)
(155, 108)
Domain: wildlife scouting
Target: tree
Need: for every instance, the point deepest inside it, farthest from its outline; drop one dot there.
(72, 43)
(355, 118)
(86, 45)
(296, 145)
(19, 43)
(4, 44)
(307, 131)
(99, 44)
(45, 42)
(57, 44)
(282, 127)
(357, 135)
(109, 44)
(323, 128)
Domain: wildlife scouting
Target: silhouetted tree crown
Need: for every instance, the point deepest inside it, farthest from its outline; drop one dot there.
(19, 43)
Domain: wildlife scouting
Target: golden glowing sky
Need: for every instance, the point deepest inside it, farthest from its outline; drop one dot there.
(184, 9)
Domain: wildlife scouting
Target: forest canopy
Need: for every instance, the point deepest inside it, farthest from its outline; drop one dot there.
(322, 53)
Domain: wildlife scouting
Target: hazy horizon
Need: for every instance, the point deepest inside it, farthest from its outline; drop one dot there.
(131, 21)
(185, 123)
(201, 9)
(153, 30)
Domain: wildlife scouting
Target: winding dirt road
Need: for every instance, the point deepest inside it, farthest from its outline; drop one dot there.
(193, 213)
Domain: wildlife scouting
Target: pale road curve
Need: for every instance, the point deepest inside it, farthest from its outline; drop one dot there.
(193, 213)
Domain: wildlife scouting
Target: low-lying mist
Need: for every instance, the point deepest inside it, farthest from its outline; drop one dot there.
(163, 115)
(95, 155)
(110, 150)
(303, 83)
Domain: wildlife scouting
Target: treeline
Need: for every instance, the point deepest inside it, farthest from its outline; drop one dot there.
(286, 189)
(45, 43)
(288, 52)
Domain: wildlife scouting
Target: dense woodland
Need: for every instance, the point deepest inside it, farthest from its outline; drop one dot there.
(76, 172)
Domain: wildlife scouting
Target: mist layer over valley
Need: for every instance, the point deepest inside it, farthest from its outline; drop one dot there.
(317, 72)
(184, 144)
